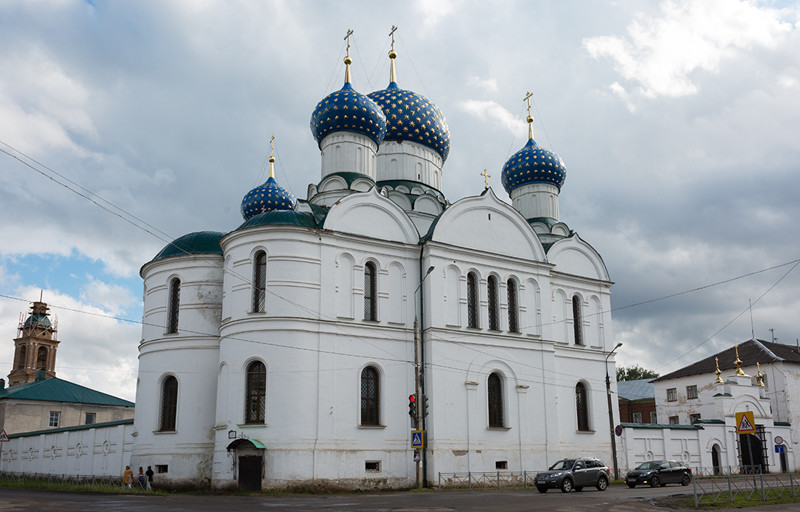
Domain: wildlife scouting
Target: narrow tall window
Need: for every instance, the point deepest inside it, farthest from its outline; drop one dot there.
(260, 282)
(577, 319)
(494, 307)
(582, 406)
(370, 292)
(169, 404)
(23, 357)
(513, 310)
(472, 300)
(370, 396)
(495, 399)
(174, 305)
(256, 399)
(41, 358)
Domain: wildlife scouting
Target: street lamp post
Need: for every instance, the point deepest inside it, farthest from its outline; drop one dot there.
(418, 375)
(611, 416)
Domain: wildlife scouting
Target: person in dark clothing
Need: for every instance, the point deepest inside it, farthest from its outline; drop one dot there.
(149, 474)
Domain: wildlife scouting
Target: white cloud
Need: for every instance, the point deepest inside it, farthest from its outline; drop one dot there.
(40, 104)
(486, 84)
(435, 11)
(111, 297)
(661, 53)
(498, 115)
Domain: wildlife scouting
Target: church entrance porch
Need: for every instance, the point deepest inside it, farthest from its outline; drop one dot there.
(753, 452)
(249, 463)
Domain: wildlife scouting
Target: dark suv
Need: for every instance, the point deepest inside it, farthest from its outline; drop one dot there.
(659, 473)
(568, 474)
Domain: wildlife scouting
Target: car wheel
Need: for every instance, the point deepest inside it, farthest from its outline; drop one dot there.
(541, 488)
(686, 480)
(655, 482)
(602, 483)
(631, 485)
(566, 485)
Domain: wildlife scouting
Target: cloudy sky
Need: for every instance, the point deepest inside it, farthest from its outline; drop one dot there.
(678, 122)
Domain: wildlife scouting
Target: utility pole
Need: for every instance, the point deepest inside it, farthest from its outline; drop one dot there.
(418, 377)
(611, 416)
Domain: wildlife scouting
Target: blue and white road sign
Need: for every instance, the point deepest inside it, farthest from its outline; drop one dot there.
(416, 439)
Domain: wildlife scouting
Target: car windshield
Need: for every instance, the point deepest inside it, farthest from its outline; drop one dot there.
(563, 464)
(650, 465)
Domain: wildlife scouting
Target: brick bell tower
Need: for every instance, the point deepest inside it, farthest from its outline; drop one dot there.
(35, 346)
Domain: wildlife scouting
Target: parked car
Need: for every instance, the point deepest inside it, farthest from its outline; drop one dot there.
(569, 474)
(659, 473)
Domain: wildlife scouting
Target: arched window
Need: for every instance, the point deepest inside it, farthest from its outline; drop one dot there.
(370, 292)
(41, 358)
(513, 309)
(582, 406)
(472, 300)
(174, 305)
(495, 399)
(169, 404)
(260, 282)
(577, 319)
(494, 307)
(23, 357)
(370, 396)
(256, 400)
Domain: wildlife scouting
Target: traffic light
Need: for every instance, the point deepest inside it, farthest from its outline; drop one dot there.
(412, 406)
(423, 406)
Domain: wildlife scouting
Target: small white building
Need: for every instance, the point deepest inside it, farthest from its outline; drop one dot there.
(282, 352)
(696, 409)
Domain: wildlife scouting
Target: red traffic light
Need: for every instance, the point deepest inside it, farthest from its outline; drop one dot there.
(412, 398)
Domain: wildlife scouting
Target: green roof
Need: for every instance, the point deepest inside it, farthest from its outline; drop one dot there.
(128, 421)
(58, 390)
(202, 242)
(280, 217)
(662, 426)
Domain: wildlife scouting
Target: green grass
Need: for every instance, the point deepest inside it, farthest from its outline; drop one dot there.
(44, 485)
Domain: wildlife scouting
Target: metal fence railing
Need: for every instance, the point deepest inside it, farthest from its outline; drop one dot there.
(108, 480)
(477, 479)
(742, 484)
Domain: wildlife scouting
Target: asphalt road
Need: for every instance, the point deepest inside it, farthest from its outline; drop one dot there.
(614, 499)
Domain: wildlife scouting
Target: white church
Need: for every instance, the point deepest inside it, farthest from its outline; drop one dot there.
(283, 351)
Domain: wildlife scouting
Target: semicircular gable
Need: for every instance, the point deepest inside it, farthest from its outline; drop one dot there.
(574, 256)
(371, 215)
(427, 204)
(485, 223)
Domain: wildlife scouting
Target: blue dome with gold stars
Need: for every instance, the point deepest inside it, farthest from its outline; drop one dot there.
(347, 110)
(533, 164)
(266, 198)
(414, 118)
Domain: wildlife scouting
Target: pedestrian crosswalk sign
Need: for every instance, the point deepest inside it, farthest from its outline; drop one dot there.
(3, 436)
(416, 439)
(745, 423)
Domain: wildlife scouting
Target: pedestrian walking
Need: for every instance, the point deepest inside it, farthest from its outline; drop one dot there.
(149, 474)
(127, 477)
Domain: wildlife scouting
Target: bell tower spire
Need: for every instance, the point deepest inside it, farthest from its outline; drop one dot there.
(35, 346)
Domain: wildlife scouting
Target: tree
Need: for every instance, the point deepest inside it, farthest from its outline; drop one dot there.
(634, 373)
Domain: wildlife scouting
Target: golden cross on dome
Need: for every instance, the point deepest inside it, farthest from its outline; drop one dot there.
(719, 379)
(347, 59)
(392, 56)
(272, 158)
(486, 177)
(527, 99)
